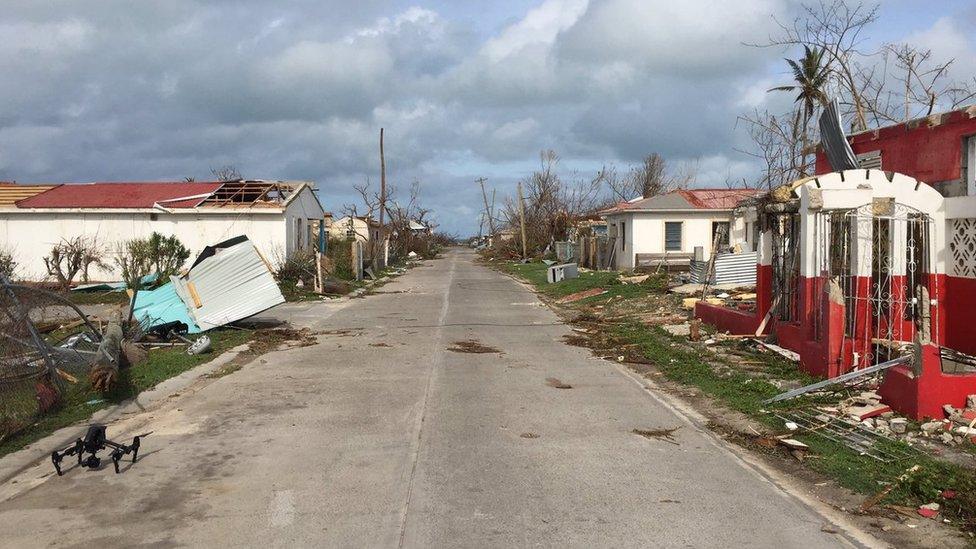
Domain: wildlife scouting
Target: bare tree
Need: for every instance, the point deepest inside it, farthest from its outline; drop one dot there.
(552, 204)
(778, 146)
(71, 256)
(649, 178)
(92, 254)
(837, 28)
(226, 173)
(369, 197)
(892, 84)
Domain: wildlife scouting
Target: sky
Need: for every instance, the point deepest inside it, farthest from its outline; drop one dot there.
(298, 89)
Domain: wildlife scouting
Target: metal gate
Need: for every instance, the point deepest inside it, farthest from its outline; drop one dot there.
(880, 256)
(785, 230)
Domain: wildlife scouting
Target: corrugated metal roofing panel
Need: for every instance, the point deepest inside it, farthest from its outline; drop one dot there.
(729, 269)
(232, 284)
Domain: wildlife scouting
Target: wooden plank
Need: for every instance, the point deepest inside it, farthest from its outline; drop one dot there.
(194, 295)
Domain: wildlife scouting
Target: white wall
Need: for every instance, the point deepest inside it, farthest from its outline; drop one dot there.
(340, 227)
(30, 234)
(302, 209)
(644, 232)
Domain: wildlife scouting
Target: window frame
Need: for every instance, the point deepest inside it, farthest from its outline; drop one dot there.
(681, 236)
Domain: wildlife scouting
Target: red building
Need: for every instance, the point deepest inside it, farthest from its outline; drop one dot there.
(856, 266)
(937, 149)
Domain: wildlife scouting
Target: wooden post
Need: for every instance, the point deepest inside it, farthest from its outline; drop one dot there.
(525, 252)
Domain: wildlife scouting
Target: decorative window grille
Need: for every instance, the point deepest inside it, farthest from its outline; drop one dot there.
(962, 247)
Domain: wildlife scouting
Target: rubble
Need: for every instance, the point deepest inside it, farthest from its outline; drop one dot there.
(929, 510)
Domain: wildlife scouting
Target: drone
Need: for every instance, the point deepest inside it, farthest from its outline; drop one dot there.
(95, 441)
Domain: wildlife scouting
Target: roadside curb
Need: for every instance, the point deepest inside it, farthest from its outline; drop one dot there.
(17, 462)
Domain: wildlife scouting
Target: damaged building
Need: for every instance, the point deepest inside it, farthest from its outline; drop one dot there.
(862, 266)
(279, 217)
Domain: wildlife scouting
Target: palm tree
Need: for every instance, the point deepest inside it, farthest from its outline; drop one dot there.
(810, 75)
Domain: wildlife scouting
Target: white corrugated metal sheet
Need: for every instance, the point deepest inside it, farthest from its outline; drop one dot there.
(729, 269)
(232, 284)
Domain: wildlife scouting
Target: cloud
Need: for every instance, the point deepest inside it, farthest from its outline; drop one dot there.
(299, 89)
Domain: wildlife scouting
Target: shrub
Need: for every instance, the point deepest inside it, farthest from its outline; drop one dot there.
(299, 265)
(166, 254)
(163, 255)
(7, 264)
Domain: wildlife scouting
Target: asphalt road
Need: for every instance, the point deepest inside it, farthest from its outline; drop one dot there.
(381, 436)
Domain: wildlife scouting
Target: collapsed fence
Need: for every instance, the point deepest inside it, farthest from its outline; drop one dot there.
(597, 252)
(46, 346)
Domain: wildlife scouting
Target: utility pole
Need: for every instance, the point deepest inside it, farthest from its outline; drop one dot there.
(491, 212)
(382, 181)
(380, 247)
(484, 196)
(525, 253)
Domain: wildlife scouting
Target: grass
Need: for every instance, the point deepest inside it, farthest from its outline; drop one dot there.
(97, 298)
(81, 401)
(744, 391)
(294, 294)
(535, 273)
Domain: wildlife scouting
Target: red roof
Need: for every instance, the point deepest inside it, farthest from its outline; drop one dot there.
(717, 199)
(122, 195)
(688, 199)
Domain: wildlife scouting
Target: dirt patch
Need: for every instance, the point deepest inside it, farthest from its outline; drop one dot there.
(264, 342)
(472, 346)
(345, 332)
(557, 384)
(666, 435)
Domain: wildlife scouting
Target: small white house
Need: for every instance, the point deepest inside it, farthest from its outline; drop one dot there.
(277, 216)
(668, 227)
(363, 229)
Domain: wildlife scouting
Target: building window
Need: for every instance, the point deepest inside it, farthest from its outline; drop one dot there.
(721, 228)
(623, 235)
(672, 236)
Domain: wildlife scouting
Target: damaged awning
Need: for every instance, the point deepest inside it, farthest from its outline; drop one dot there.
(228, 282)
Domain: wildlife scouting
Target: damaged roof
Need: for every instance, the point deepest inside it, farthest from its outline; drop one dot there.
(10, 193)
(162, 195)
(121, 195)
(688, 199)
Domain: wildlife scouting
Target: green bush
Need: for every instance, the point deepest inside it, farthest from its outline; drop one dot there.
(7, 264)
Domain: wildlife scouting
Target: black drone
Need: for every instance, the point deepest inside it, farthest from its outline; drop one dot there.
(94, 442)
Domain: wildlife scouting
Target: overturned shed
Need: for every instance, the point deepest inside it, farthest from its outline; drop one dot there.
(228, 282)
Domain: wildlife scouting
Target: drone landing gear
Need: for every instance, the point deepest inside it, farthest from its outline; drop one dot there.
(94, 442)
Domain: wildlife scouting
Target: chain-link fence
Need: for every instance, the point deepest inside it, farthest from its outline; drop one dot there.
(46, 345)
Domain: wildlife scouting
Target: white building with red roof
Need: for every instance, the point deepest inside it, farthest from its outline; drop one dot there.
(277, 216)
(668, 227)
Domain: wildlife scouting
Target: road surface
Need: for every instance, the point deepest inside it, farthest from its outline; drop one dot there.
(381, 436)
